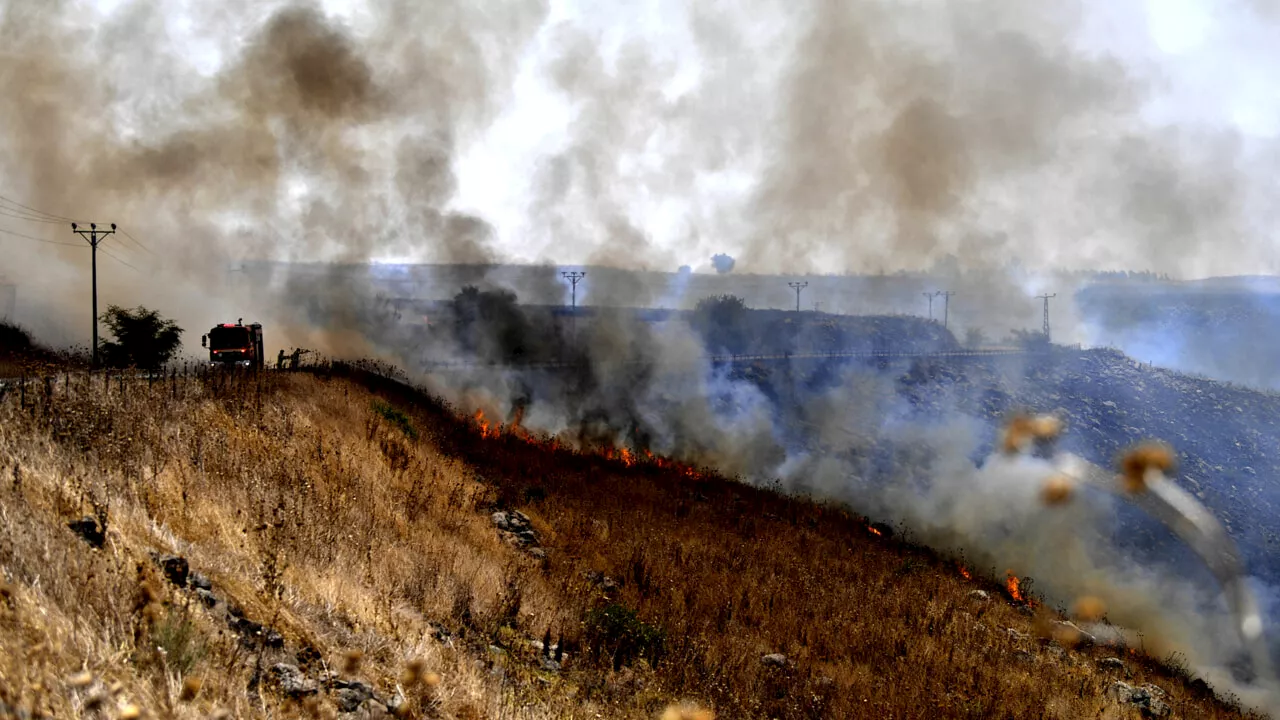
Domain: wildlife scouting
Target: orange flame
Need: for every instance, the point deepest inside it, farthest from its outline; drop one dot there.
(626, 456)
(874, 531)
(965, 572)
(1014, 586)
(484, 424)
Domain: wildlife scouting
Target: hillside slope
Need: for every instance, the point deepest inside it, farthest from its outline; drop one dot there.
(294, 545)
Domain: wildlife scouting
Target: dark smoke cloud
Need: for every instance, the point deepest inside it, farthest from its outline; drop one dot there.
(845, 137)
(115, 126)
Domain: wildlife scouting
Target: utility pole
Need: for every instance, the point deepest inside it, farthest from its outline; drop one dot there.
(946, 312)
(930, 297)
(1046, 313)
(798, 287)
(92, 236)
(574, 278)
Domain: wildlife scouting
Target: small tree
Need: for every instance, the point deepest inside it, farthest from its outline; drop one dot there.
(722, 321)
(974, 337)
(142, 338)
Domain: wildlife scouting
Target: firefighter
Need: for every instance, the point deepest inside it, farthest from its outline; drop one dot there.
(293, 358)
(280, 360)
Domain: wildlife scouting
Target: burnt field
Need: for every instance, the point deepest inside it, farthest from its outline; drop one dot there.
(1224, 436)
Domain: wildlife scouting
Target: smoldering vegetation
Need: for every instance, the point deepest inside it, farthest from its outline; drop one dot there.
(852, 137)
(913, 442)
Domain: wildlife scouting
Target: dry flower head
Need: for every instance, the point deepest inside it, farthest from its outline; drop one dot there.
(190, 688)
(1136, 463)
(1017, 433)
(351, 661)
(1057, 490)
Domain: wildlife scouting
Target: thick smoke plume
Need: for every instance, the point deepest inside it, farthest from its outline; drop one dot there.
(980, 141)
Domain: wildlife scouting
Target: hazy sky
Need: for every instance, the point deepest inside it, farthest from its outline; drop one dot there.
(1204, 66)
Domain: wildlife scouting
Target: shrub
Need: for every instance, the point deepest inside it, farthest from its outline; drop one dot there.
(143, 339)
(397, 418)
(180, 642)
(616, 632)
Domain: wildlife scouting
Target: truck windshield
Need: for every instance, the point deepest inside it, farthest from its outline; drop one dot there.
(228, 338)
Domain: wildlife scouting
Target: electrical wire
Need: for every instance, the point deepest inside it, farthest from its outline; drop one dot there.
(113, 257)
(40, 240)
(135, 240)
(67, 244)
(51, 216)
(26, 212)
(20, 215)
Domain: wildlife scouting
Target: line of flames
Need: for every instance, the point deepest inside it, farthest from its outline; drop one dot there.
(629, 458)
(624, 455)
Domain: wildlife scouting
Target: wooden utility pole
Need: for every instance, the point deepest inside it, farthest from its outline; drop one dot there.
(946, 312)
(930, 298)
(574, 278)
(798, 286)
(94, 236)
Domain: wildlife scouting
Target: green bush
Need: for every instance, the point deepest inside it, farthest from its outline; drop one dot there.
(180, 642)
(397, 418)
(614, 631)
(143, 339)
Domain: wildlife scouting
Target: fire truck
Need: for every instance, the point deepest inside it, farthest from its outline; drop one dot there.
(236, 345)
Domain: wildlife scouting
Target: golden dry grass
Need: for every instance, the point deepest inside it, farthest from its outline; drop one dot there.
(361, 533)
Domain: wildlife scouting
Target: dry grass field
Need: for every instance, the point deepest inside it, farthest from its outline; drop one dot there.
(342, 556)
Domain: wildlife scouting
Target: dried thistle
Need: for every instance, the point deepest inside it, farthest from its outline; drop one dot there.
(1057, 490)
(80, 680)
(130, 712)
(1023, 429)
(1138, 462)
(351, 662)
(190, 688)
(1046, 427)
(414, 672)
(1018, 432)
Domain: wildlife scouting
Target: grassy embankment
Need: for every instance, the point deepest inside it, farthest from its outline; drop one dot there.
(352, 516)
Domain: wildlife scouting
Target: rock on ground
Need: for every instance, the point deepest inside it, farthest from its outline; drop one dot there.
(1146, 698)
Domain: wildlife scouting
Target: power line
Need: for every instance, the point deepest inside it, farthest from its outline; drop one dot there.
(40, 240)
(28, 208)
(22, 215)
(113, 257)
(57, 242)
(135, 240)
(26, 212)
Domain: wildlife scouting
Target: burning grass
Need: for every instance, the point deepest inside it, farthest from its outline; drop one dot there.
(352, 516)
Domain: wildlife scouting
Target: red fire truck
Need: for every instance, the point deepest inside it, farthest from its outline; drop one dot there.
(235, 345)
